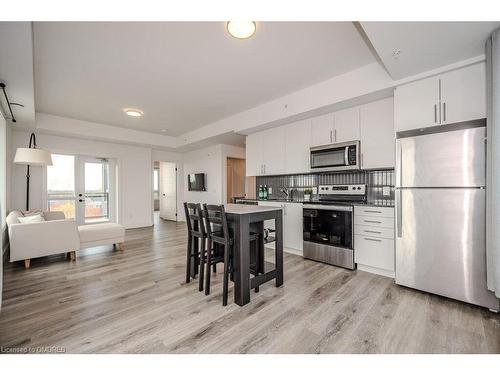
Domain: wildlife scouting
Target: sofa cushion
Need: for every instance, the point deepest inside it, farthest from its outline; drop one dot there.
(31, 218)
(13, 217)
(98, 232)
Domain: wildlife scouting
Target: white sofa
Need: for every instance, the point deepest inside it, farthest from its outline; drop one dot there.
(58, 235)
(32, 240)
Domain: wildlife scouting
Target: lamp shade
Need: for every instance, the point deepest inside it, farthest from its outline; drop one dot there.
(32, 156)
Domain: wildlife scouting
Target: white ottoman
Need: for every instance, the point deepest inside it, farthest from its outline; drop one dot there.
(101, 234)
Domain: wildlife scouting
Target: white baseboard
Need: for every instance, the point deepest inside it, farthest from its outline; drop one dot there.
(378, 271)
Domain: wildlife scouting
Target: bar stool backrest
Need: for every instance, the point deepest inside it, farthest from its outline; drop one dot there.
(215, 216)
(194, 219)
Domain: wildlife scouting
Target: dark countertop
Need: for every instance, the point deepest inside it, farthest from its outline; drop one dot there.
(311, 201)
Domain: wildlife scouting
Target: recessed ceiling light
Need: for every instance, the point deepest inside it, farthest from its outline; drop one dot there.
(134, 112)
(163, 130)
(241, 29)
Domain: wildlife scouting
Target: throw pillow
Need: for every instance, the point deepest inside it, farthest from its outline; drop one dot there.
(31, 219)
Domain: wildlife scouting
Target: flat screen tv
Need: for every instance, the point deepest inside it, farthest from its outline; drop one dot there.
(196, 182)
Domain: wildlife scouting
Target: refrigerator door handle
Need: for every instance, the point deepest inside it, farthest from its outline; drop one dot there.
(399, 214)
(399, 163)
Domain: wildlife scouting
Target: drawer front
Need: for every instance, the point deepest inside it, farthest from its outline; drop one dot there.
(379, 222)
(378, 232)
(374, 211)
(374, 252)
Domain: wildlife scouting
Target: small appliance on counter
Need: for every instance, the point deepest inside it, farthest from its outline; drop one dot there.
(328, 229)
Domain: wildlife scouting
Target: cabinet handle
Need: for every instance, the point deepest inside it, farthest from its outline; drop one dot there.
(372, 221)
(331, 136)
(372, 239)
(435, 113)
(375, 212)
(372, 231)
(444, 111)
(335, 135)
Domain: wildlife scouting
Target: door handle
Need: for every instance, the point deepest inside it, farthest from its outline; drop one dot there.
(399, 211)
(444, 111)
(435, 113)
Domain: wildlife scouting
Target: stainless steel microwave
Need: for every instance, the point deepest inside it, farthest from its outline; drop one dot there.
(335, 157)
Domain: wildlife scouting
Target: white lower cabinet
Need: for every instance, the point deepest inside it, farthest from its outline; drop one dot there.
(374, 239)
(292, 224)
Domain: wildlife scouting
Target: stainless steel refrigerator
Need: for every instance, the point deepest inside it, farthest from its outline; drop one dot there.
(440, 212)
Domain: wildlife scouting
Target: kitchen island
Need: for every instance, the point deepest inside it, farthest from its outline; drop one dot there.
(243, 219)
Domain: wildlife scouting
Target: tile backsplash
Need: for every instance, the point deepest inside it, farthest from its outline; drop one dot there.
(375, 180)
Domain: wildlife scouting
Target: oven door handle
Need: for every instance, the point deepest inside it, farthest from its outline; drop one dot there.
(346, 156)
(327, 208)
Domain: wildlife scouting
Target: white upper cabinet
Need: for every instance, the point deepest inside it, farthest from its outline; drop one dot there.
(322, 130)
(297, 143)
(459, 95)
(377, 134)
(273, 151)
(254, 154)
(346, 127)
(463, 94)
(416, 105)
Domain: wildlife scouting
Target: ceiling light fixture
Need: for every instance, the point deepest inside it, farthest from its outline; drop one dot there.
(241, 29)
(134, 112)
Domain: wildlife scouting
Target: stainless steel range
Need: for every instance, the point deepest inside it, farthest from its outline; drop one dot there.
(328, 224)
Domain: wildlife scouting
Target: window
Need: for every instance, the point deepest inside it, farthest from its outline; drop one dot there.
(96, 191)
(156, 184)
(61, 185)
(80, 187)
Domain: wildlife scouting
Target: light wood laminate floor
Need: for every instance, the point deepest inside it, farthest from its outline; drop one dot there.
(137, 302)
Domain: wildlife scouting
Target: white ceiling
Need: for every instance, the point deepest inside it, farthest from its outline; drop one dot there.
(16, 71)
(425, 46)
(183, 75)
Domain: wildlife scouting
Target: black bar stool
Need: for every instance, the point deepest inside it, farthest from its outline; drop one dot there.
(196, 231)
(219, 236)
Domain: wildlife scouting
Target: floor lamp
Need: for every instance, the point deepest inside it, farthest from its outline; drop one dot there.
(31, 156)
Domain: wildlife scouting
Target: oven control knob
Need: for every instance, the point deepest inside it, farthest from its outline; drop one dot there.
(359, 187)
(353, 188)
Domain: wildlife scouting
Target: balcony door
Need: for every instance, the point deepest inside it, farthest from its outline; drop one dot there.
(82, 187)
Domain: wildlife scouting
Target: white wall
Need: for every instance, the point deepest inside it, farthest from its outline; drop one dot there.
(134, 176)
(5, 135)
(212, 162)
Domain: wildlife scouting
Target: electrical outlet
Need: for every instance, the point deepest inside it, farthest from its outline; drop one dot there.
(386, 191)
(270, 190)
(315, 190)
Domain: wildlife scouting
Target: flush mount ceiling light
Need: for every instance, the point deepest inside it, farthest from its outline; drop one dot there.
(134, 112)
(241, 29)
